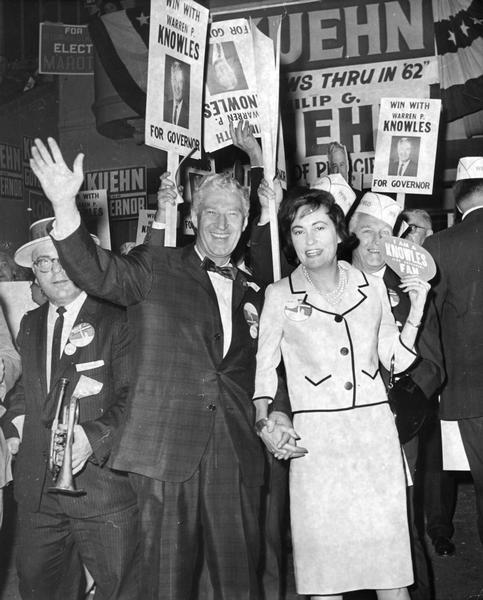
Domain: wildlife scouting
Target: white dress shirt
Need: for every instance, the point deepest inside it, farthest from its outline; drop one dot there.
(70, 315)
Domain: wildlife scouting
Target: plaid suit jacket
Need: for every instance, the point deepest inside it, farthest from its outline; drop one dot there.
(180, 377)
(99, 414)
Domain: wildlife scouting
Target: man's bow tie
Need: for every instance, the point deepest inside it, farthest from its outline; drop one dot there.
(228, 271)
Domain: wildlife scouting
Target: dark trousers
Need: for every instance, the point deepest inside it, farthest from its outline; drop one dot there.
(472, 435)
(53, 546)
(439, 487)
(422, 586)
(274, 527)
(212, 519)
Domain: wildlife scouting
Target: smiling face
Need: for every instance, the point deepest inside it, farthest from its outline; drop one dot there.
(220, 222)
(370, 231)
(314, 238)
(55, 284)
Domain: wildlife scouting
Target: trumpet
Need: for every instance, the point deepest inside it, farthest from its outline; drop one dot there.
(61, 441)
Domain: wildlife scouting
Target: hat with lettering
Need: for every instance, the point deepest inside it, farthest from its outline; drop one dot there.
(470, 167)
(379, 206)
(336, 185)
(39, 232)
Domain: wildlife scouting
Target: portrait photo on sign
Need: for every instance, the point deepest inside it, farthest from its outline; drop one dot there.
(404, 156)
(225, 72)
(176, 92)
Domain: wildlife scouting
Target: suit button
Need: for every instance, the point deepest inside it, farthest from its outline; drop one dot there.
(344, 351)
(217, 336)
(337, 318)
(348, 385)
(211, 407)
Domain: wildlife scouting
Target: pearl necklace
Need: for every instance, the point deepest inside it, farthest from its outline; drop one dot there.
(333, 297)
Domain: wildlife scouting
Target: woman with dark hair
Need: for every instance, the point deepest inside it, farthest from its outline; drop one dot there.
(332, 324)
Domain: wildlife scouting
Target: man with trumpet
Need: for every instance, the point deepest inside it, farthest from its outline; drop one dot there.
(72, 337)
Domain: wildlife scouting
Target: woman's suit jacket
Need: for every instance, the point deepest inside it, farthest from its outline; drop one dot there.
(331, 355)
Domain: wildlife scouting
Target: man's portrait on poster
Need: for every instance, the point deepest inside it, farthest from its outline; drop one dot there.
(225, 72)
(404, 156)
(176, 92)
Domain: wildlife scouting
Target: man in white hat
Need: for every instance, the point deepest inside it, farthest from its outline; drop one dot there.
(70, 336)
(458, 252)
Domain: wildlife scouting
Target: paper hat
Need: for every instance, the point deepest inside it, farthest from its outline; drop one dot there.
(470, 167)
(336, 185)
(39, 232)
(379, 206)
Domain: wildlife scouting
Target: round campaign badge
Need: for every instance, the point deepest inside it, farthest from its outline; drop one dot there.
(252, 319)
(406, 258)
(82, 335)
(393, 297)
(296, 310)
(69, 349)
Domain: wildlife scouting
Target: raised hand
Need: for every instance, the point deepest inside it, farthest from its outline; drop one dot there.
(58, 182)
(243, 137)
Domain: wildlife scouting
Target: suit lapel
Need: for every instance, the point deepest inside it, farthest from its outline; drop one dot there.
(193, 268)
(41, 348)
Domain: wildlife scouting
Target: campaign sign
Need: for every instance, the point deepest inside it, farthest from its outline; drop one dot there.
(406, 258)
(65, 50)
(177, 39)
(407, 138)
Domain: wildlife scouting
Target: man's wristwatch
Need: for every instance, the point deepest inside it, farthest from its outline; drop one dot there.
(260, 424)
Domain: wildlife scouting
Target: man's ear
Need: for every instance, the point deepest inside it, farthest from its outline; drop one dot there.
(245, 223)
(194, 219)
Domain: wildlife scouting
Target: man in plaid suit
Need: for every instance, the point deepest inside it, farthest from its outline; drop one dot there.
(189, 441)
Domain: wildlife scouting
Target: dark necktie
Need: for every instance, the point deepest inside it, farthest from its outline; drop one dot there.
(56, 339)
(228, 271)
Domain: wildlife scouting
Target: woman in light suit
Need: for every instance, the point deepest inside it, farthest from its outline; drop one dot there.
(332, 325)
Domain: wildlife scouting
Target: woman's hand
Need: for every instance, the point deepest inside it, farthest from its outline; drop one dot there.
(418, 292)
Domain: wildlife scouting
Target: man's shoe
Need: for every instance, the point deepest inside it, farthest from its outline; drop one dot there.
(443, 546)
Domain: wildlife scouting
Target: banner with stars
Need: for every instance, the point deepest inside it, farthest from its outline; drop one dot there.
(459, 39)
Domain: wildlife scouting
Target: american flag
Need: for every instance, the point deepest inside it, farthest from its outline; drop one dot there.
(121, 40)
(459, 40)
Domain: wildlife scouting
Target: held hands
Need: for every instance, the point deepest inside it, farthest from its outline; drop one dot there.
(242, 137)
(418, 292)
(59, 183)
(280, 437)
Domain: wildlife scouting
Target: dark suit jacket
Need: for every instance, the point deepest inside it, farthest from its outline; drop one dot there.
(180, 374)
(411, 169)
(100, 415)
(458, 252)
(183, 119)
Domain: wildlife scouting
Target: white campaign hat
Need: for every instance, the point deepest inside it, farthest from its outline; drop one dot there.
(39, 232)
(336, 185)
(470, 167)
(379, 206)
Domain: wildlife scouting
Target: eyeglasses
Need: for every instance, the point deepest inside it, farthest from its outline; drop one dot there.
(45, 264)
(412, 228)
